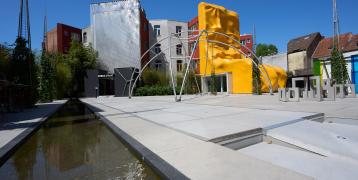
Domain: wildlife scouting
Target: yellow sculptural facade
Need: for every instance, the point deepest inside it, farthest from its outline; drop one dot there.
(217, 58)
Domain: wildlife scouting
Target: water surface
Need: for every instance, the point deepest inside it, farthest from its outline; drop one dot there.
(74, 144)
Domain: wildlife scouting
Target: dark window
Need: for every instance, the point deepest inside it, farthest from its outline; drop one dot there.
(242, 42)
(158, 64)
(157, 48)
(66, 33)
(248, 41)
(178, 30)
(75, 37)
(157, 30)
(180, 65)
(84, 37)
(179, 49)
(145, 27)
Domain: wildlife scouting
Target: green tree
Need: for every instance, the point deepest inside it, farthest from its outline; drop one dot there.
(80, 59)
(339, 67)
(256, 79)
(266, 50)
(23, 70)
(4, 60)
(62, 76)
(47, 74)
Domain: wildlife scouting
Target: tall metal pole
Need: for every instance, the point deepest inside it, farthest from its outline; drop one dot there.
(28, 25)
(19, 33)
(44, 43)
(335, 26)
(24, 30)
(254, 39)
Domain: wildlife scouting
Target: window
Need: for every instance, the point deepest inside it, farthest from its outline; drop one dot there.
(84, 37)
(158, 64)
(157, 30)
(179, 49)
(242, 42)
(180, 65)
(66, 33)
(75, 37)
(157, 48)
(178, 30)
(145, 27)
(248, 41)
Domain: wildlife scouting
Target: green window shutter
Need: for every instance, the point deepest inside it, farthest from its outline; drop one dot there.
(316, 68)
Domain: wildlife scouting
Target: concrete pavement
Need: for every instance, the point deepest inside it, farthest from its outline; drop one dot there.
(192, 136)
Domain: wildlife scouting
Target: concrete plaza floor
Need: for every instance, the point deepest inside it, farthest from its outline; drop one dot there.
(185, 134)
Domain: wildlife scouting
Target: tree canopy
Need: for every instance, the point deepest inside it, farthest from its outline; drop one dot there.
(62, 75)
(339, 67)
(4, 60)
(266, 50)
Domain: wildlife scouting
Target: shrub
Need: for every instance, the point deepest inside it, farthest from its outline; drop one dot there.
(152, 77)
(154, 91)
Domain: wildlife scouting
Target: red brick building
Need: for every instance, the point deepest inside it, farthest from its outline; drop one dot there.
(144, 36)
(246, 39)
(193, 24)
(59, 39)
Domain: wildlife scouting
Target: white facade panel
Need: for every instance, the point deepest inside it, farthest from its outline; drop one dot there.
(116, 33)
(87, 37)
(279, 60)
(167, 28)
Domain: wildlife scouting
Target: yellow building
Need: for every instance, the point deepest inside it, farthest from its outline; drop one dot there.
(220, 56)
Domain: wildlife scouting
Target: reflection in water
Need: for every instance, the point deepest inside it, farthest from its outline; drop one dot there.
(74, 145)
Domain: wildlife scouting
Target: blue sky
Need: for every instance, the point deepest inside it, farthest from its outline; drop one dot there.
(277, 21)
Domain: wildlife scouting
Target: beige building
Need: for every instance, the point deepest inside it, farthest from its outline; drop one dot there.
(299, 54)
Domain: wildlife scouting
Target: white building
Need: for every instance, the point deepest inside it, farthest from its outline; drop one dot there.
(87, 37)
(349, 48)
(279, 60)
(171, 49)
(115, 28)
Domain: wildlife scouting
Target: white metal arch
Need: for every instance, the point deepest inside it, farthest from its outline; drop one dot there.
(197, 40)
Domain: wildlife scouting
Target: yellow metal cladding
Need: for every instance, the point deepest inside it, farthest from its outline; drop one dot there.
(277, 75)
(219, 58)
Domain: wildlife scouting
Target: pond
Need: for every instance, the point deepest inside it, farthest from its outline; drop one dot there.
(74, 144)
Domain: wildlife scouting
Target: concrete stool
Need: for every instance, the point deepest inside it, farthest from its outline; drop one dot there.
(315, 93)
(328, 91)
(301, 90)
(282, 94)
(352, 94)
(293, 94)
(339, 90)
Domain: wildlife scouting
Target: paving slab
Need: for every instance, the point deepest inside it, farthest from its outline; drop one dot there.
(194, 158)
(319, 167)
(206, 122)
(328, 139)
(180, 133)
